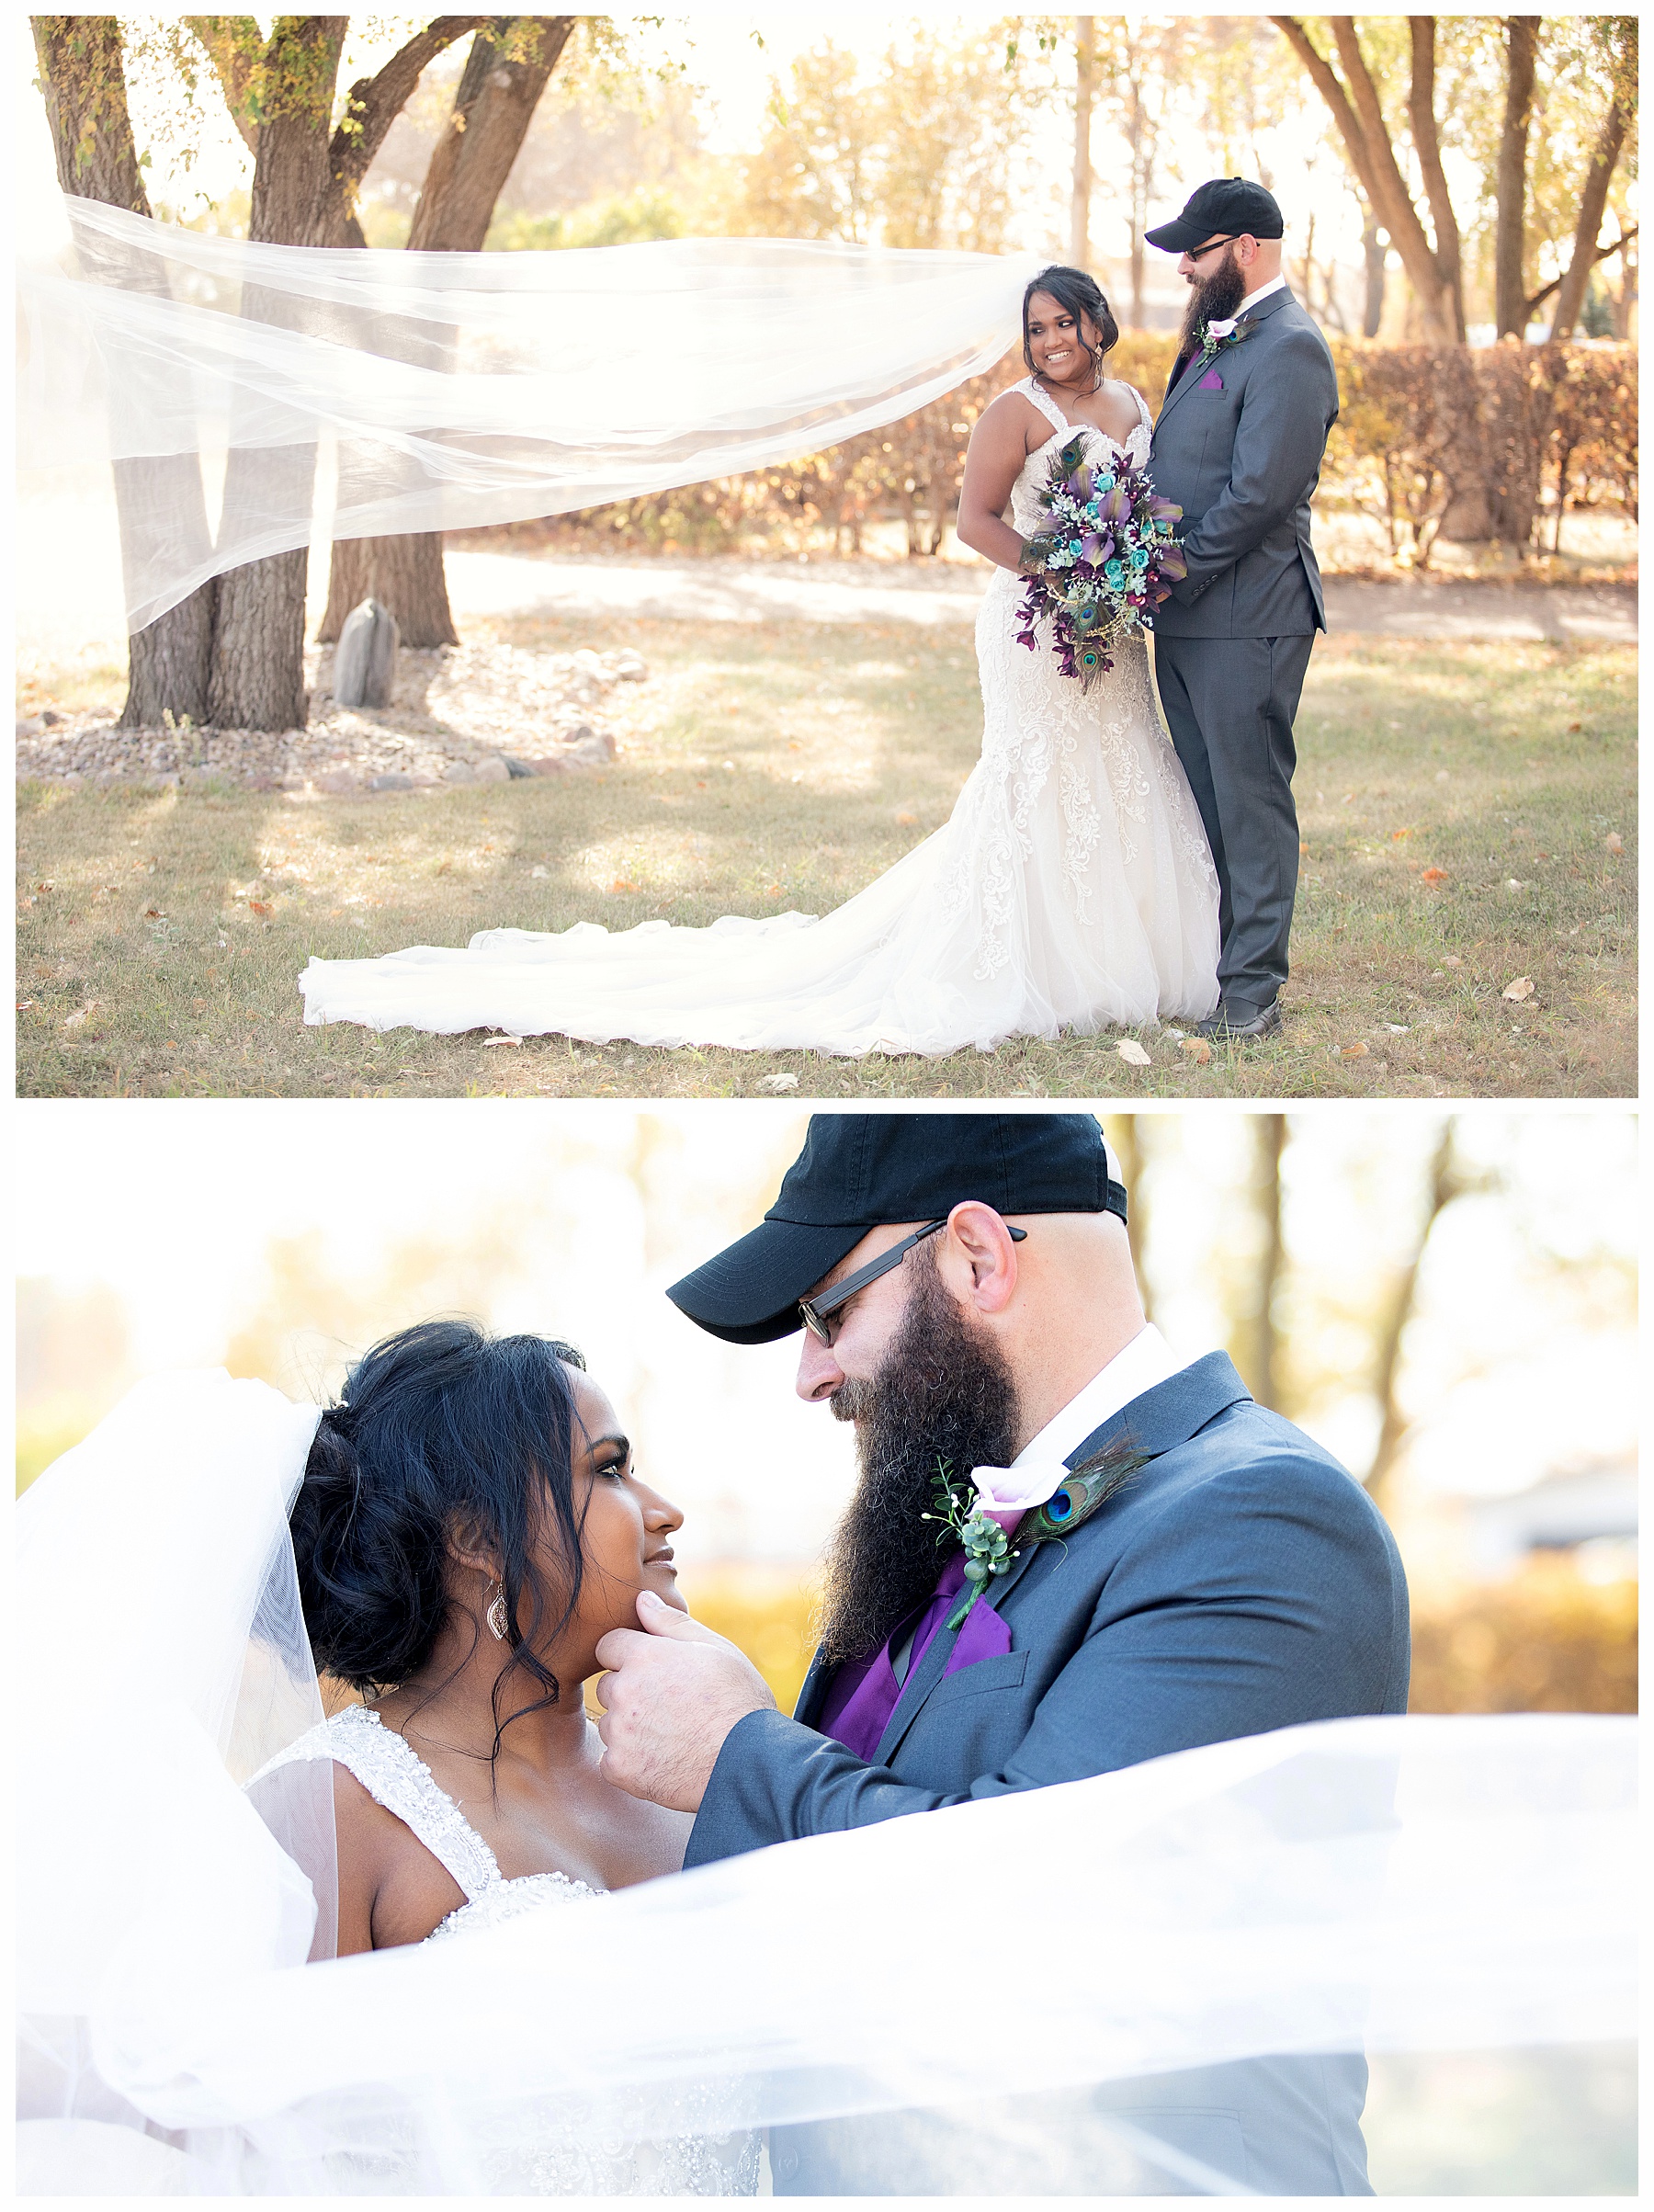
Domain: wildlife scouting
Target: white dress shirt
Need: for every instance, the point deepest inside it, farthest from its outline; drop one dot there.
(1037, 1469)
(1222, 330)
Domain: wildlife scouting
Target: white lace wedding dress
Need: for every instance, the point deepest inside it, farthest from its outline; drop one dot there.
(581, 2152)
(1071, 889)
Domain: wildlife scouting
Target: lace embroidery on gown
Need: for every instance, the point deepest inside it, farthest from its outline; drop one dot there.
(1072, 888)
(582, 2151)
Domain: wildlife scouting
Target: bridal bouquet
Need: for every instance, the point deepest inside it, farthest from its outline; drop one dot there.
(1111, 559)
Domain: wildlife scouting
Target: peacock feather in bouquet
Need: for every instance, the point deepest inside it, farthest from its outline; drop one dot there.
(1110, 560)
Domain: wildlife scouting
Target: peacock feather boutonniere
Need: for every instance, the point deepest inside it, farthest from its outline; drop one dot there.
(967, 1509)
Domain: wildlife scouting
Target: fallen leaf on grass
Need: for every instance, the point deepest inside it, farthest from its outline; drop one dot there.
(779, 1082)
(24, 1005)
(1433, 874)
(1132, 1053)
(259, 906)
(1197, 1049)
(907, 820)
(154, 913)
(1450, 959)
(1396, 835)
(74, 1020)
(500, 1040)
(623, 884)
(1521, 988)
(1613, 843)
(1358, 1051)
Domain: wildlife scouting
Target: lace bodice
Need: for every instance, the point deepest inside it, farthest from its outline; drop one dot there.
(1027, 515)
(394, 1775)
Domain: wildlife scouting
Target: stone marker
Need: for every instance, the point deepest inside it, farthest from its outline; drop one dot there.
(364, 670)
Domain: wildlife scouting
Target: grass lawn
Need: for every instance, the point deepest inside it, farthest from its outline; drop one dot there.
(1467, 814)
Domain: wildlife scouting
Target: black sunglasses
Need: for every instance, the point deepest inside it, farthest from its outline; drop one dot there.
(816, 1311)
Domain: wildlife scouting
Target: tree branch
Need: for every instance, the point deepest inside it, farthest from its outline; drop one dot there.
(375, 103)
(1420, 113)
(1602, 253)
(1593, 200)
(232, 45)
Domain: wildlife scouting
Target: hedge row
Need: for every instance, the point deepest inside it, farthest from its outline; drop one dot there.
(1491, 443)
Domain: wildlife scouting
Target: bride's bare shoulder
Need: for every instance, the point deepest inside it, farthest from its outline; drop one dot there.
(1011, 415)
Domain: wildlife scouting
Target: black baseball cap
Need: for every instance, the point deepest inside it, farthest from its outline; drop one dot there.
(859, 1170)
(1223, 207)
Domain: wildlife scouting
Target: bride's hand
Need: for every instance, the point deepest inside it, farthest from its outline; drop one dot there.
(673, 1691)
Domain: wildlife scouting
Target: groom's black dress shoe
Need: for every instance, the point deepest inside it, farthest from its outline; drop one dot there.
(1239, 1022)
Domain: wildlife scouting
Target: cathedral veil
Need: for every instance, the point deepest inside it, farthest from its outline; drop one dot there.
(1387, 1889)
(389, 392)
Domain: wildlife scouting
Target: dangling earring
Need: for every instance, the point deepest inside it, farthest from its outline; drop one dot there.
(495, 1616)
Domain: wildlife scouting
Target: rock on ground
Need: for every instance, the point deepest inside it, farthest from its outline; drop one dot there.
(472, 713)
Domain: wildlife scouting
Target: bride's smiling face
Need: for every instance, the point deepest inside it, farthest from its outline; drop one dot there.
(1057, 341)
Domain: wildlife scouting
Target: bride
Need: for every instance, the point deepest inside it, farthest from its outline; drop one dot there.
(1072, 888)
(521, 2010)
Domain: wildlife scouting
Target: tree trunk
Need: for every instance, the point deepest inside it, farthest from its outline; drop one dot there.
(257, 675)
(1374, 250)
(1264, 1361)
(1421, 112)
(84, 82)
(1085, 83)
(1446, 1183)
(1129, 1137)
(1360, 126)
(1139, 194)
(1509, 308)
(1593, 200)
(404, 573)
(493, 109)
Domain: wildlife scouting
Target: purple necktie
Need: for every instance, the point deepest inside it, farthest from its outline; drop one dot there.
(864, 1692)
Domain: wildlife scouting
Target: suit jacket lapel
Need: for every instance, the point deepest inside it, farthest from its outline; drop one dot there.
(814, 1691)
(1261, 314)
(1154, 1423)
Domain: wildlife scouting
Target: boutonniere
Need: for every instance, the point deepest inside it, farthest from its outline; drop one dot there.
(1210, 346)
(1045, 1505)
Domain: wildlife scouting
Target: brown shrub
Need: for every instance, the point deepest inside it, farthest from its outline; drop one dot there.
(1543, 1640)
(1432, 441)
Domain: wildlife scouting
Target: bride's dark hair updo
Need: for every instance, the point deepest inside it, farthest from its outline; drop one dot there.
(1077, 294)
(440, 1432)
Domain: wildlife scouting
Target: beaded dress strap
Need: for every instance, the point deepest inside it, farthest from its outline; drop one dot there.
(394, 1775)
(1047, 407)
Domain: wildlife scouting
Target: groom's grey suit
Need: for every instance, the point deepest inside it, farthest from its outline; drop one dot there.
(1240, 1581)
(1238, 447)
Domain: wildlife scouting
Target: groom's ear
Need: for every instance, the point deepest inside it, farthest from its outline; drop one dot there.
(981, 1257)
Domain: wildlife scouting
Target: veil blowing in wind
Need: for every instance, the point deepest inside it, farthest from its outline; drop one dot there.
(1375, 1888)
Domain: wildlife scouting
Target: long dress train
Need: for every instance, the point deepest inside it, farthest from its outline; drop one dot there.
(1071, 889)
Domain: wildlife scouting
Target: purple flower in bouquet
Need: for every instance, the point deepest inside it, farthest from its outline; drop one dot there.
(1113, 559)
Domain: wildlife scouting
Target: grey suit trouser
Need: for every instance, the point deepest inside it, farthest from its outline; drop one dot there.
(1229, 703)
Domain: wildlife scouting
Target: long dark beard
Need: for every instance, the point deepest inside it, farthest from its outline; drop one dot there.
(1213, 299)
(945, 1391)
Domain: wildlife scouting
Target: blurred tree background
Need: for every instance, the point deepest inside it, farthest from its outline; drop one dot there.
(1448, 1303)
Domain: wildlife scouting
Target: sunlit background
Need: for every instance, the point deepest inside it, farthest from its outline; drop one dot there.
(1447, 1302)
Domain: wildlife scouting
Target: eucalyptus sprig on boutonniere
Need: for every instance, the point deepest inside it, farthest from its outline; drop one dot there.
(967, 1510)
(1210, 346)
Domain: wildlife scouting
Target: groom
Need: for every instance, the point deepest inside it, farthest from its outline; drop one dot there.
(1238, 447)
(965, 1285)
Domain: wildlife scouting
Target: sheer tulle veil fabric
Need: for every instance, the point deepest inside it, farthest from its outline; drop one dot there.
(1365, 1886)
(369, 393)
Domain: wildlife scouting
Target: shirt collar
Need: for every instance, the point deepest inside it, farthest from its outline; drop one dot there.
(1222, 330)
(1037, 1469)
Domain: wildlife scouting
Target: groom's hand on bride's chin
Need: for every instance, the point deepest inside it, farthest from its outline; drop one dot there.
(673, 1691)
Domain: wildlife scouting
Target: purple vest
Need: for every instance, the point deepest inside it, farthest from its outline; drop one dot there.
(863, 1693)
